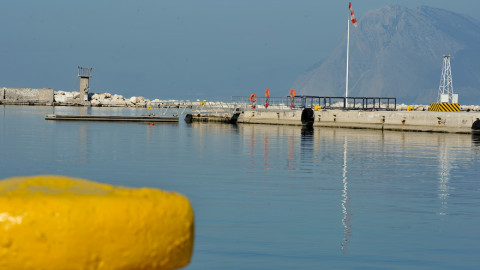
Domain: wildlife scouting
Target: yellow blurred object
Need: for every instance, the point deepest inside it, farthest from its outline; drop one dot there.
(409, 108)
(317, 108)
(149, 108)
(56, 222)
(202, 103)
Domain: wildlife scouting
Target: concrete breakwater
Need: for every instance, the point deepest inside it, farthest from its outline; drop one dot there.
(26, 96)
(427, 121)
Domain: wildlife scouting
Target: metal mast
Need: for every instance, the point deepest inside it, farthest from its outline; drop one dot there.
(348, 49)
(445, 90)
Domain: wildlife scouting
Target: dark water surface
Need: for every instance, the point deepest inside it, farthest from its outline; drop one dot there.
(277, 197)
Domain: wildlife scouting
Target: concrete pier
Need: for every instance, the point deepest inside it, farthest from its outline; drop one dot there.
(426, 121)
(113, 118)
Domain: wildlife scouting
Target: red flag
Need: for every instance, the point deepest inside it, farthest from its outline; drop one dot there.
(352, 15)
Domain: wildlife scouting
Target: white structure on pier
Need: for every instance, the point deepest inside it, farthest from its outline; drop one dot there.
(445, 90)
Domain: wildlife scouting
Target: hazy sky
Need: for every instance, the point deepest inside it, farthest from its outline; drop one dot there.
(182, 49)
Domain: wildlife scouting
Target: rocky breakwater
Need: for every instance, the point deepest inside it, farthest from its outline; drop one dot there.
(50, 97)
(63, 98)
(109, 100)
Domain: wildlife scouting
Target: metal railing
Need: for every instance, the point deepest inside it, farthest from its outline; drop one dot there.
(217, 107)
(239, 104)
(350, 103)
(84, 72)
(261, 100)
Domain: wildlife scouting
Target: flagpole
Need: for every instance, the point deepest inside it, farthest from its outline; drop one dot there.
(348, 49)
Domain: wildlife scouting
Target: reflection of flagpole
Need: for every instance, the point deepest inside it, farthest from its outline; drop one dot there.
(346, 221)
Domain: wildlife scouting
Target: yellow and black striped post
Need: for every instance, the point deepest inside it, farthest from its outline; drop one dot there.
(445, 107)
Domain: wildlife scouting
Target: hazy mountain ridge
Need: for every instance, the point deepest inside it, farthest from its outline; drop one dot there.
(398, 52)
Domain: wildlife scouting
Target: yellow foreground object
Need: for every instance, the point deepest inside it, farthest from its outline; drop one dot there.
(54, 222)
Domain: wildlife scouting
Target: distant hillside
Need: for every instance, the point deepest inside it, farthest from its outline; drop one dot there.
(398, 52)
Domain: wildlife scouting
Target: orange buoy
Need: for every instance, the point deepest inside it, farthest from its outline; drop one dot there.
(152, 124)
(292, 93)
(267, 93)
(253, 97)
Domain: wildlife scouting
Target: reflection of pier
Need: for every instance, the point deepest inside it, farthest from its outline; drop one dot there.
(346, 221)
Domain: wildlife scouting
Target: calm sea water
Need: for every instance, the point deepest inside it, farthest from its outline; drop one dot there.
(277, 197)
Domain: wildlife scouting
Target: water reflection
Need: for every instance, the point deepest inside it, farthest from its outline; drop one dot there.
(83, 140)
(291, 153)
(265, 151)
(346, 221)
(444, 176)
(307, 132)
(84, 110)
(252, 148)
(476, 138)
(306, 148)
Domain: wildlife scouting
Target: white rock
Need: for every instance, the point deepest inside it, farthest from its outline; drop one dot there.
(98, 96)
(105, 102)
(120, 103)
(117, 97)
(95, 102)
(60, 98)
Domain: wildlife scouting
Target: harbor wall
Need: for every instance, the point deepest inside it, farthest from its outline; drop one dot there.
(454, 122)
(26, 96)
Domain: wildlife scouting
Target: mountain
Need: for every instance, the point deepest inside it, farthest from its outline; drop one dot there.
(398, 52)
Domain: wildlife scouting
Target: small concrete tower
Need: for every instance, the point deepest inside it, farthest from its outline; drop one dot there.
(84, 74)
